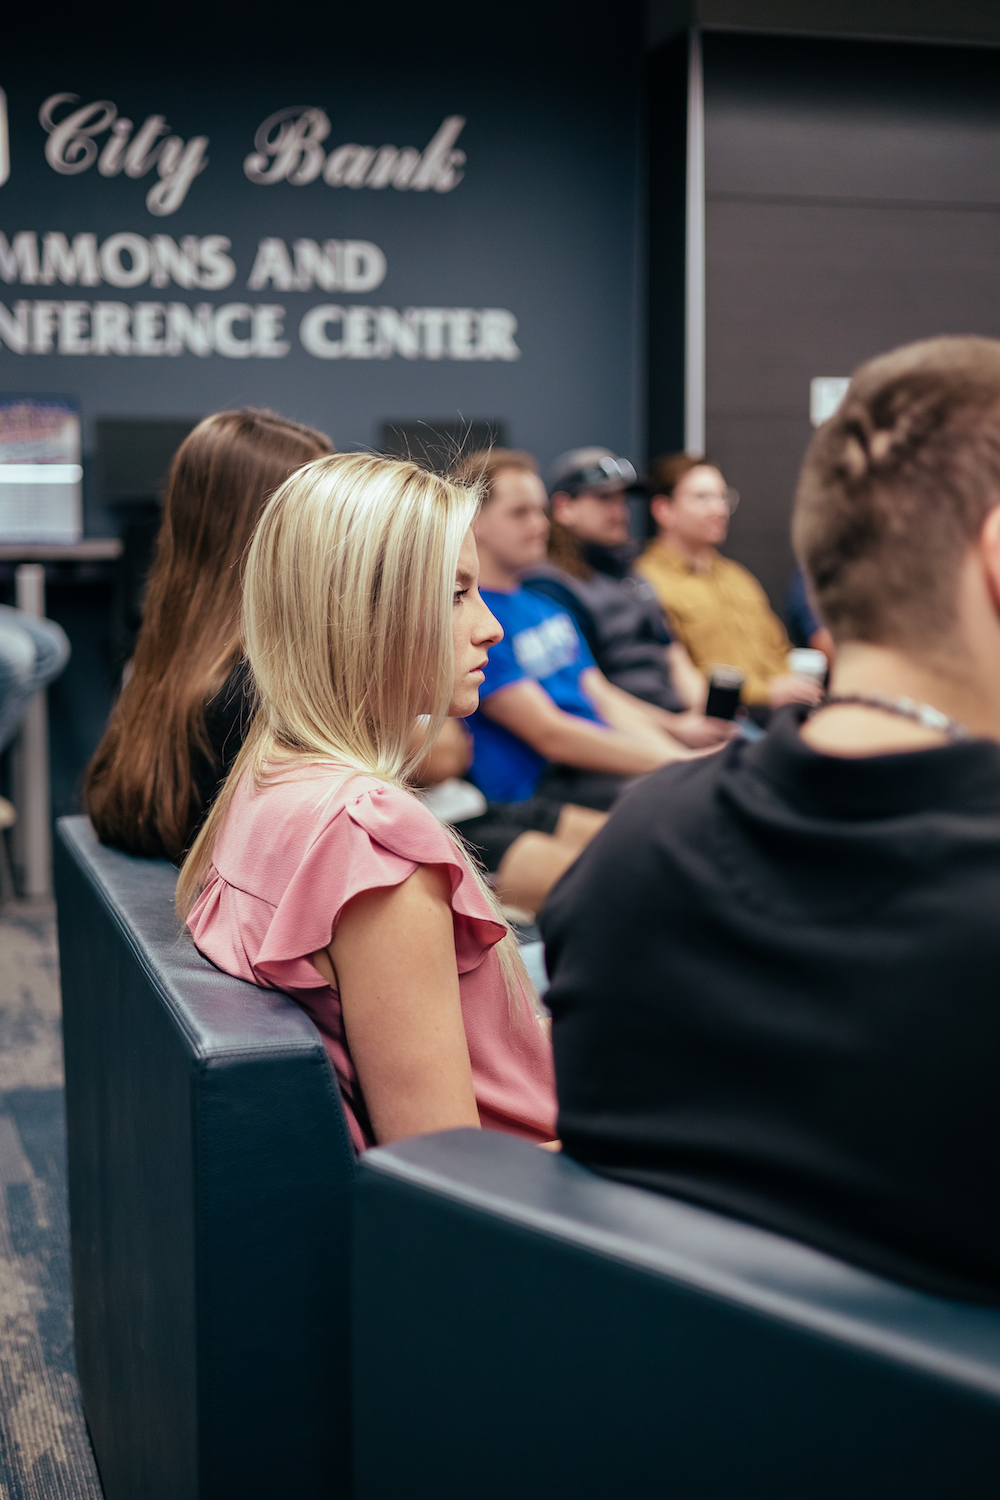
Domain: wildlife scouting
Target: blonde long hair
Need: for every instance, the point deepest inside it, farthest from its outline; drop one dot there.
(347, 625)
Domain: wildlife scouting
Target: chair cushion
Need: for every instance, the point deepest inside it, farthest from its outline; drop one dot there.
(554, 1333)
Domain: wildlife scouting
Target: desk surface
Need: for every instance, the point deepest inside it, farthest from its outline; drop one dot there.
(93, 549)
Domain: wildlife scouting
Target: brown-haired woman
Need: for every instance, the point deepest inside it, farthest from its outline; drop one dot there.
(179, 722)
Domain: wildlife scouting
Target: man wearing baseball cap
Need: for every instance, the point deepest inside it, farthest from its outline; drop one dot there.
(589, 574)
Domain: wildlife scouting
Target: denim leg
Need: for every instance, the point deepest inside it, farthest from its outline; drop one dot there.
(32, 653)
(52, 650)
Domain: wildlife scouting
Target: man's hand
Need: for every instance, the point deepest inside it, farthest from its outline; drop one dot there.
(791, 689)
(699, 732)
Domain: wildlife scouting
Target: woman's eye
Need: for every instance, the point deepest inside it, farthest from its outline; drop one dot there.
(459, 596)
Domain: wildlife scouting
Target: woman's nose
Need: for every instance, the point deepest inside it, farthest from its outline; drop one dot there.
(489, 631)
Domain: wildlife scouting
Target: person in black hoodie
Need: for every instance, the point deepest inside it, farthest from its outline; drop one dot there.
(589, 573)
(774, 972)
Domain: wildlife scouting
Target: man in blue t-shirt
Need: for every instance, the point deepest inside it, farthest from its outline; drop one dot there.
(541, 644)
(549, 723)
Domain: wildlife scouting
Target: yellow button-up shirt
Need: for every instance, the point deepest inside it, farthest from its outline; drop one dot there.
(720, 615)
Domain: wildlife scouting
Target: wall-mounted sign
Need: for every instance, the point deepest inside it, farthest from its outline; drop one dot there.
(4, 140)
(236, 330)
(424, 242)
(72, 147)
(288, 147)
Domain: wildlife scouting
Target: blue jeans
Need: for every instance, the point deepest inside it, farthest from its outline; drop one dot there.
(32, 653)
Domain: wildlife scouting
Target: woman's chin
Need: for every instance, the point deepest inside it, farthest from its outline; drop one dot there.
(465, 705)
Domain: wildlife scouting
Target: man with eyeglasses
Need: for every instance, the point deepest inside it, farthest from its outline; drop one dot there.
(716, 606)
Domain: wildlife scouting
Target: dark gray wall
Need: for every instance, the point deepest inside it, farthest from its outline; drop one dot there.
(853, 204)
(969, 21)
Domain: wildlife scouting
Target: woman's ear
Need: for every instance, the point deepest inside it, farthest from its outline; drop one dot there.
(661, 509)
(989, 545)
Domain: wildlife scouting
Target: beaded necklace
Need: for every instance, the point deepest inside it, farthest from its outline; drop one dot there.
(904, 708)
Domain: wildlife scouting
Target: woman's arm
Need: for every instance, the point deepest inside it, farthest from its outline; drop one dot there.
(392, 960)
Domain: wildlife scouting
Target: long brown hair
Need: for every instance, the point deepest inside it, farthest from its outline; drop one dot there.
(139, 788)
(566, 552)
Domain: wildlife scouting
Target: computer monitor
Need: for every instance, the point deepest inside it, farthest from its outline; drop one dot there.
(41, 499)
(134, 456)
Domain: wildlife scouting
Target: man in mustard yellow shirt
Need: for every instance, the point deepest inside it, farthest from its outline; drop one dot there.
(717, 609)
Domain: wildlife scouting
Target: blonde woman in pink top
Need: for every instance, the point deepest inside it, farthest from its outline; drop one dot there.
(318, 872)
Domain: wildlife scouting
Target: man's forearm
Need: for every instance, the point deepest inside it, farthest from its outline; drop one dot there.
(621, 711)
(526, 711)
(591, 748)
(689, 684)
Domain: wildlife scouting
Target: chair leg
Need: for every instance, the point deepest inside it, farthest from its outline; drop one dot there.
(7, 890)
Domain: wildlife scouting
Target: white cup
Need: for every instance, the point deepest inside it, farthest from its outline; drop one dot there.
(804, 662)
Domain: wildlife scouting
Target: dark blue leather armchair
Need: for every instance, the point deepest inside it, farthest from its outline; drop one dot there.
(523, 1328)
(210, 1175)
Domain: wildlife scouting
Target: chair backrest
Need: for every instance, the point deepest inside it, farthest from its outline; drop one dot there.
(210, 1175)
(525, 1328)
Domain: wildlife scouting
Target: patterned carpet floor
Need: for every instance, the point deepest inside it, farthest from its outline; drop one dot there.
(45, 1453)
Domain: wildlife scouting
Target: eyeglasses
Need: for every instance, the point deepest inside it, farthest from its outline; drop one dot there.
(704, 496)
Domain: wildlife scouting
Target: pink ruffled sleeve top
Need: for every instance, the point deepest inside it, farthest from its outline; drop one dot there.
(289, 857)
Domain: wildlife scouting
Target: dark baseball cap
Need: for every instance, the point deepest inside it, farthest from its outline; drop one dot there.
(596, 471)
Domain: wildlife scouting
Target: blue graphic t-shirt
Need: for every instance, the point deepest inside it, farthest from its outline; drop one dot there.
(540, 642)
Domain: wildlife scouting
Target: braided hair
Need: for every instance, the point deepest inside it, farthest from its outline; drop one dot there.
(895, 488)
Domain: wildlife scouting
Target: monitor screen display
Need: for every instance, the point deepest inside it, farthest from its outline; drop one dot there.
(40, 473)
